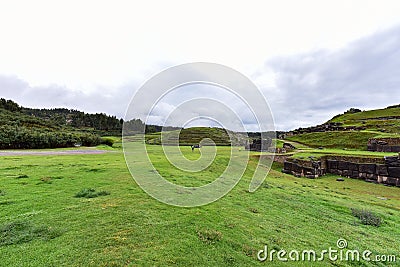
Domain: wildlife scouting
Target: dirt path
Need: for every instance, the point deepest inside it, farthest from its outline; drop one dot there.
(49, 153)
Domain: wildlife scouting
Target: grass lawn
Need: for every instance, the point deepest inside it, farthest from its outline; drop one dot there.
(323, 152)
(43, 223)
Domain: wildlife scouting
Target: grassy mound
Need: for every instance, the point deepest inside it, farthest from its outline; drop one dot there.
(195, 135)
(385, 120)
(353, 140)
(379, 123)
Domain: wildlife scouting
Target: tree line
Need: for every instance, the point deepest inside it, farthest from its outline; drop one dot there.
(22, 127)
(99, 122)
(29, 138)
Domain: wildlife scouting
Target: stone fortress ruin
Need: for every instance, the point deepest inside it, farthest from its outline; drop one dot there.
(385, 170)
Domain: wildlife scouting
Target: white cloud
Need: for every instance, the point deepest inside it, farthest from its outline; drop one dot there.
(93, 55)
(316, 85)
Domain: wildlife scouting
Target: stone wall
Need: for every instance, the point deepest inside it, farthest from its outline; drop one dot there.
(326, 127)
(302, 168)
(259, 145)
(378, 170)
(384, 144)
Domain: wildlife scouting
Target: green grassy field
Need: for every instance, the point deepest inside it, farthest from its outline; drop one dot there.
(317, 153)
(42, 223)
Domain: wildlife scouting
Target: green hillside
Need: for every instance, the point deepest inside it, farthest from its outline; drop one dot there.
(353, 140)
(25, 128)
(351, 130)
(385, 120)
(195, 135)
(18, 130)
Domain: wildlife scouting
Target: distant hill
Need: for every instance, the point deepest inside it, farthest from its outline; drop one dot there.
(22, 127)
(352, 129)
(67, 119)
(385, 120)
(194, 135)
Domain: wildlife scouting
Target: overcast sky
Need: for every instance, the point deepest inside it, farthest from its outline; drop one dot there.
(311, 59)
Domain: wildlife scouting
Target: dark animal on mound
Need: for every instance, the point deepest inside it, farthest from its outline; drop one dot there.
(195, 146)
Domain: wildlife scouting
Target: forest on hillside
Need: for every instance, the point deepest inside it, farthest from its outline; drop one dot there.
(27, 128)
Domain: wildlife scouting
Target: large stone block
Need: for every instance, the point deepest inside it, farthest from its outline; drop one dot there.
(381, 170)
(395, 148)
(332, 164)
(343, 165)
(392, 181)
(297, 168)
(353, 166)
(392, 161)
(354, 174)
(366, 168)
(394, 172)
(388, 149)
(371, 147)
(287, 166)
(309, 171)
(372, 176)
(382, 179)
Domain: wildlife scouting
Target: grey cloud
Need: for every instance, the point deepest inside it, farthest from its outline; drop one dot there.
(107, 100)
(365, 74)
(11, 85)
(310, 87)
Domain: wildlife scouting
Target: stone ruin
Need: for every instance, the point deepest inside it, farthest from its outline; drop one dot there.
(265, 145)
(304, 168)
(288, 146)
(260, 145)
(377, 170)
(326, 127)
(384, 144)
